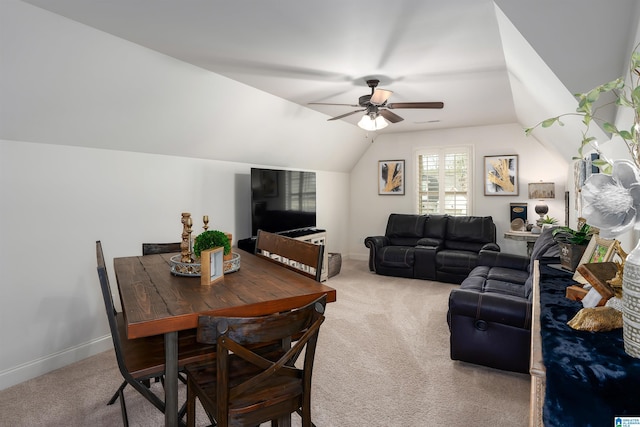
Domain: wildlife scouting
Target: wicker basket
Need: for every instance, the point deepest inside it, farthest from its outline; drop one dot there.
(335, 263)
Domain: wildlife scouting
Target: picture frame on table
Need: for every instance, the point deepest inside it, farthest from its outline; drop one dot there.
(391, 177)
(501, 175)
(598, 250)
(211, 266)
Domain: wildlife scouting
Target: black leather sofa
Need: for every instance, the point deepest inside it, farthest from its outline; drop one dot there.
(435, 247)
(489, 315)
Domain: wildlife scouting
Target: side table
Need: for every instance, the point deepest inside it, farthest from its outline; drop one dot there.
(525, 236)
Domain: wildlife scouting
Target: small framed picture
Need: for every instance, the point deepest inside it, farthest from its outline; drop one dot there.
(391, 177)
(211, 266)
(598, 250)
(501, 175)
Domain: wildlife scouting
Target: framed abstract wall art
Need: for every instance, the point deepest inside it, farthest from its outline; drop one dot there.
(391, 177)
(501, 175)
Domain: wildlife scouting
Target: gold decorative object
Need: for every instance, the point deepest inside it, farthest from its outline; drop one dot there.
(596, 319)
(616, 282)
(205, 219)
(185, 244)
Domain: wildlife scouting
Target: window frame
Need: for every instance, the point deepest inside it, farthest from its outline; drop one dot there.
(441, 151)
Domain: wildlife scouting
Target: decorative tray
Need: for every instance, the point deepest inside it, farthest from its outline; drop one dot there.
(192, 269)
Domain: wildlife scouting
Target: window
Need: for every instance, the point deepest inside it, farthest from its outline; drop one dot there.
(444, 185)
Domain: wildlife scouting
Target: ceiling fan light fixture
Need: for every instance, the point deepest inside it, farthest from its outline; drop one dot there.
(371, 124)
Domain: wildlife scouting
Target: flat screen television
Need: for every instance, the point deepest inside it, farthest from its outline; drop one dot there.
(282, 200)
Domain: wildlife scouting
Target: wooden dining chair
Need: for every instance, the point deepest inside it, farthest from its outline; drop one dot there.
(160, 248)
(297, 255)
(142, 359)
(254, 378)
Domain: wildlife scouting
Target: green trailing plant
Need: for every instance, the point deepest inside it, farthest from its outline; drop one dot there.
(211, 239)
(570, 236)
(626, 94)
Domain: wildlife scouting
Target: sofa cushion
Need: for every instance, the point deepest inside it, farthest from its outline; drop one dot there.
(461, 245)
(474, 229)
(404, 225)
(435, 226)
(475, 280)
(501, 280)
(504, 288)
(454, 261)
(397, 256)
(503, 274)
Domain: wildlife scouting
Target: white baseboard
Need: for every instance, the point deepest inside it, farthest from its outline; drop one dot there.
(41, 366)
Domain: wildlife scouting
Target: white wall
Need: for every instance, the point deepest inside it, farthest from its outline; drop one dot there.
(58, 200)
(369, 211)
(66, 83)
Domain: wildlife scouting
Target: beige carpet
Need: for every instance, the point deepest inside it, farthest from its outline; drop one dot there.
(382, 360)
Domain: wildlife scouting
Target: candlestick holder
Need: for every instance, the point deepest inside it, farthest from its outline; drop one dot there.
(185, 243)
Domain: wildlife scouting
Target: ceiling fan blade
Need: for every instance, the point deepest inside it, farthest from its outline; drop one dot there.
(345, 115)
(415, 105)
(329, 103)
(391, 116)
(380, 96)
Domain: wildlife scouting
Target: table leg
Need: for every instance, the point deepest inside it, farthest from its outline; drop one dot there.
(171, 379)
(284, 421)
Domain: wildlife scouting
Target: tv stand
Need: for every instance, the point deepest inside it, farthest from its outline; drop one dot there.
(313, 235)
(300, 232)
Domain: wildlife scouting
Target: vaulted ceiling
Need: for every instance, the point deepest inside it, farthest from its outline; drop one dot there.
(422, 50)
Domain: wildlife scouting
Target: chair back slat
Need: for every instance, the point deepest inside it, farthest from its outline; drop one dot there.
(107, 296)
(104, 278)
(160, 248)
(297, 255)
(263, 329)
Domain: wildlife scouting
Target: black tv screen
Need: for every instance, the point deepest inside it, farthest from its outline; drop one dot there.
(282, 200)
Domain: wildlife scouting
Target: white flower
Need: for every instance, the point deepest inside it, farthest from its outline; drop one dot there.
(612, 203)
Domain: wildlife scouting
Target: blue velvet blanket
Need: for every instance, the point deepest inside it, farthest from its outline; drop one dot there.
(590, 379)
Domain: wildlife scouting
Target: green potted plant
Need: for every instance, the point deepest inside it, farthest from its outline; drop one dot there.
(548, 221)
(211, 239)
(572, 244)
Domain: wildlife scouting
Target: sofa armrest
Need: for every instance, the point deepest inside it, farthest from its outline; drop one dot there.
(487, 307)
(375, 243)
(505, 260)
(491, 247)
(430, 241)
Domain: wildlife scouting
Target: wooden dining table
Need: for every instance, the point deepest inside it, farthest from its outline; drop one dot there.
(154, 302)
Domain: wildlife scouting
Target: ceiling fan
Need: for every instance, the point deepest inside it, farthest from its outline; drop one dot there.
(377, 108)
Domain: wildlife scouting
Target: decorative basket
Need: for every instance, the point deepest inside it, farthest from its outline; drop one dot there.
(335, 263)
(192, 269)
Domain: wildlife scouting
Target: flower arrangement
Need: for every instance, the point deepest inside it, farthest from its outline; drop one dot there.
(611, 199)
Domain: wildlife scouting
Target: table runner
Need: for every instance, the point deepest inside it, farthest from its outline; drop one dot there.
(589, 378)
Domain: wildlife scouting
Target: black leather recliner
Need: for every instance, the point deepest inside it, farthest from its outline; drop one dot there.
(433, 247)
(489, 315)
